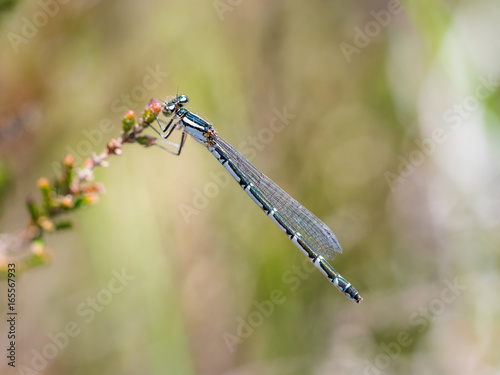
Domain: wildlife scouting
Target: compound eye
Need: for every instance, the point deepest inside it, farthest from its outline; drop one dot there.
(168, 109)
(182, 99)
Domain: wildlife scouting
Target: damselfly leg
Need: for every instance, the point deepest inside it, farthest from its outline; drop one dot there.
(170, 127)
(167, 130)
(177, 146)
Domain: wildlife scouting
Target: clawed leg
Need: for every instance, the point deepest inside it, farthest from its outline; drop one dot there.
(179, 146)
(170, 127)
(166, 132)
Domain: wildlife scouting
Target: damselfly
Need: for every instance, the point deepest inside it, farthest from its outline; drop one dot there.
(306, 231)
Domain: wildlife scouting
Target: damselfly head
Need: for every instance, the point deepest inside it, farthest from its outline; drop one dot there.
(174, 104)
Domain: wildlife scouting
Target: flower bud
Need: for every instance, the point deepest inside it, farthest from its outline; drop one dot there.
(128, 121)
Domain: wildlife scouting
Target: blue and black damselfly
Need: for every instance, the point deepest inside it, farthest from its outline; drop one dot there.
(306, 231)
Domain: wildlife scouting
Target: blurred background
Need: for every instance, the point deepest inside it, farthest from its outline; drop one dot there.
(380, 117)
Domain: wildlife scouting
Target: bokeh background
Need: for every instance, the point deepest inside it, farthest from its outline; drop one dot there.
(391, 138)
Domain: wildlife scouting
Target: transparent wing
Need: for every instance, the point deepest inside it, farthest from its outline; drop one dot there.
(310, 227)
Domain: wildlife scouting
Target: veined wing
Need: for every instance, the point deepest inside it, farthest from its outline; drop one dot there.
(305, 222)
